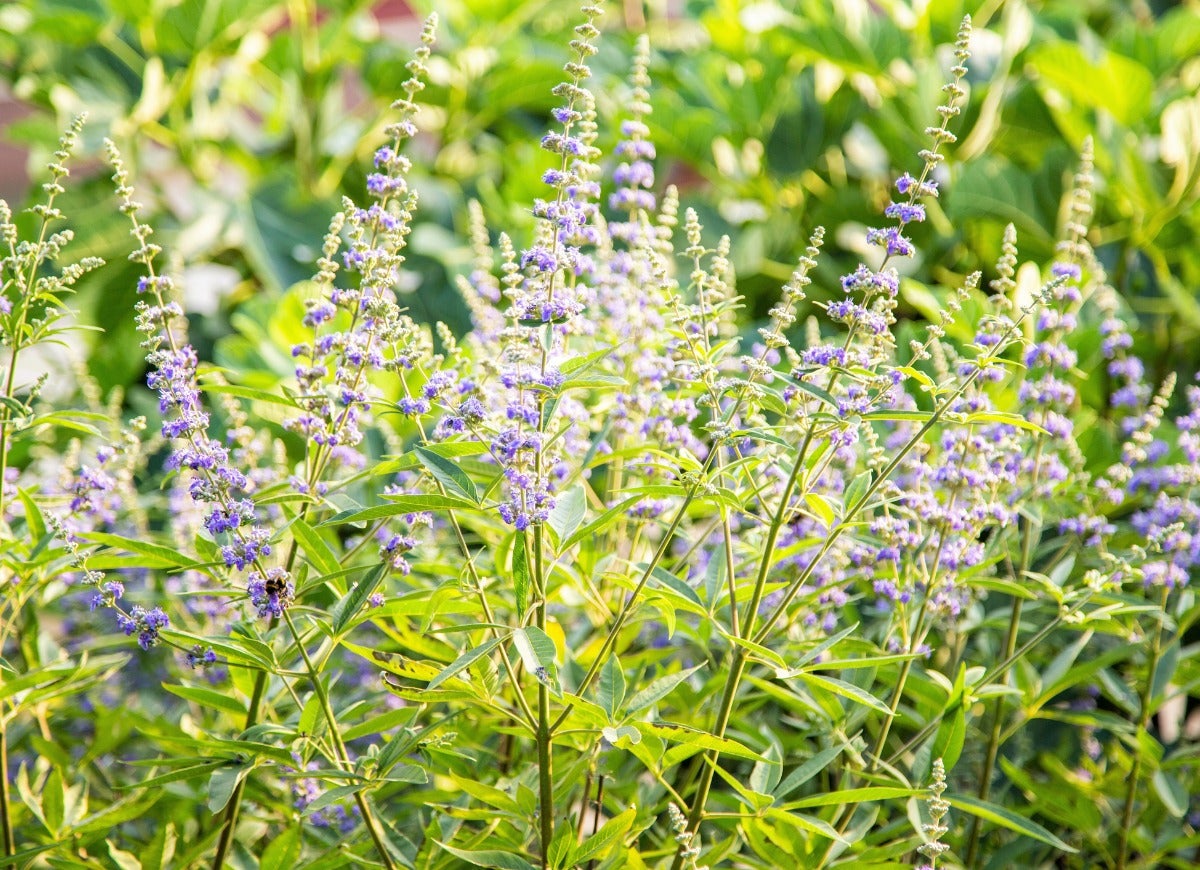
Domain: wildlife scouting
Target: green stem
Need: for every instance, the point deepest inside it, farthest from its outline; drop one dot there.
(10, 843)
(737, 667)
(235, 799)
(545, 770)
(1143, 723)
(343, 757)
(1010, 644)
(993, 746)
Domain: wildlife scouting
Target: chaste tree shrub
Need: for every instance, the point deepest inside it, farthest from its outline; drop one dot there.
(601, 582)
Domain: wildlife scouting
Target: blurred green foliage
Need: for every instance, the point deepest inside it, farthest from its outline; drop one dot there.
(246, 120)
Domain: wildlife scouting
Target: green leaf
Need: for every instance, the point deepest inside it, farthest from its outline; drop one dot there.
(846, 690)
(222, 783)
(487, 794)
(1006, 418)
(1006, 818)
(404, 504)
(854, 493)
(583, 363)
(765, 774)
(659, 689)
(188, 771)
(521, 576)
(465, 660)
(538, 653)
(597, 845)
(488, 858)
(318, 552)
(448, 474)
(67, 420)
(702, 740)
(311, 721)
(820, 509)
(381, 723)
(33, 515)
(208, 698)
(53, 804)
(815, 651)
(669, 580)
(1097, 78)
(757, 651)
(1164, 673)
(331, 796)
(1170, 790)
(124, 860)
(284, 850)
(143, 548)
(611, 690)
(569, 508)
(249, 393)
(349, 606)
(951, 734)
(816, 392)
(601, 522)
(854, 796)
(806, 771)
(808, 824)
(239, 650)
(904, 416)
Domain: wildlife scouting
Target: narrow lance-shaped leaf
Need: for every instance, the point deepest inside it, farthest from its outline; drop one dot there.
(349, 606)
(521, 575)
(601, 842)
(610, 692)
(1008, 819)
(448, 474)
(466, 660)
(537, 652)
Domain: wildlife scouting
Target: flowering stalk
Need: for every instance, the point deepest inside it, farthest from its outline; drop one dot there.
(1053, 356)
(933, 848)
(858, 316)
(216, 482)
(24, 285)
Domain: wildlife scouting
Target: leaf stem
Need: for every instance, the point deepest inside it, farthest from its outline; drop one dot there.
(545, 770)
(342, 756)
(1145, 712)
(235, 799)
